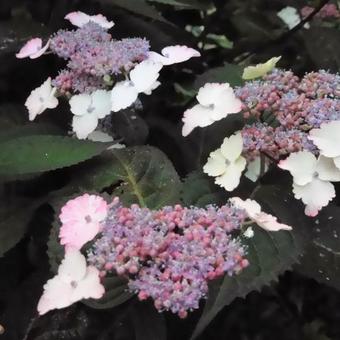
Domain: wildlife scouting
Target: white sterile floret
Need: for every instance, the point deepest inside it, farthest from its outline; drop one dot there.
(173, 55)
(216, 101)
(311, 179)
(327, 139)
(40, 99)
(87, 110)
(226, 163)
(254, 212)
(249, 233)
(143, 79)
(290, 16)
(80, 19)
(74, 282)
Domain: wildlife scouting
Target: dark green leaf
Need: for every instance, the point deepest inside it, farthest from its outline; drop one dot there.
(149, 324)
(137, 6)
(186, 4)
(14, 219)
(116, 293)
(321, 260)
(39, 153)
(228, 73)
(269, 254)
(199, 190)
(321, 44)
(140, 174)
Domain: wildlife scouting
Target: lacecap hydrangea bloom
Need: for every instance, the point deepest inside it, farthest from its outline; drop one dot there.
(97, 67)
(168, 255)
(284, 115)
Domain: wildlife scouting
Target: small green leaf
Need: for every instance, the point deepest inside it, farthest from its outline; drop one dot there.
(29, 154)
(221, 40)
(228, 73)
(269, 254)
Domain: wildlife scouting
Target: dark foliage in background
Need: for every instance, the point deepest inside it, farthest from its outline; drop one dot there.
(295, 307)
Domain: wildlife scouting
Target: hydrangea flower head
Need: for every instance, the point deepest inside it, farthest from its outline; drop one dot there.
(40, 99)
(80, 218)
(226, 164)
(170, 254)
(216, 101)
(74, 282)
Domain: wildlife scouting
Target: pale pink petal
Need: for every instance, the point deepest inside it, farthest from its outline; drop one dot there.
(56, 295)
(89, 286)
(78, 18)
(232, 147)
(263, 220)
(231, 177)
(197, 116)
(327, 138)
(81, 219)
(216, 164)
(174, 54)
(41, 51)
(73, 266)
(84, 125)
(270, 223)
(102, 21)
(30, 48)
(251, 207)
(315, 195)
(301, 165)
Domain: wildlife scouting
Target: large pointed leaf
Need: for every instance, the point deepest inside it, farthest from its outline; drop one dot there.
(321, 259)
(186, 4)
(29, 154)
(141, 174)
(140, 7)
(269, 254)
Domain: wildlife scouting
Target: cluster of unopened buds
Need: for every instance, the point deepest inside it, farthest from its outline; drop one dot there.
(291, 121)
(102, 75)
(168, 255)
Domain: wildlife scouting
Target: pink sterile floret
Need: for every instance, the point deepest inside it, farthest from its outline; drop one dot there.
(80, 218)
